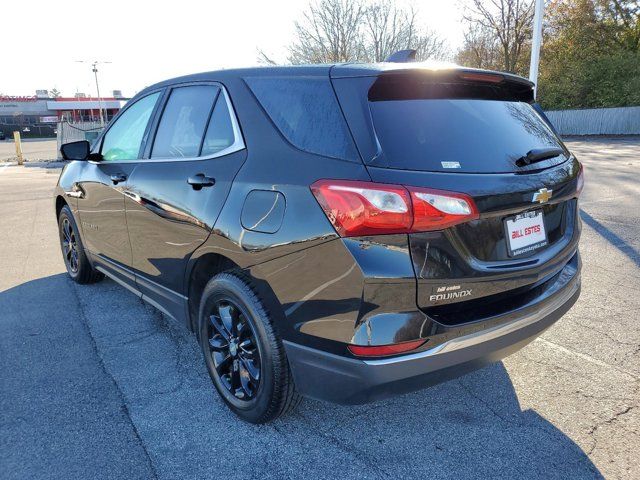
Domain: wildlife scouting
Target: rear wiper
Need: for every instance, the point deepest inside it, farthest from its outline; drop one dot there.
(538, 154)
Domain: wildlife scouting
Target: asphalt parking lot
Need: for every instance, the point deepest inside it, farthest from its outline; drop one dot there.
(96, 384)
(32, 149)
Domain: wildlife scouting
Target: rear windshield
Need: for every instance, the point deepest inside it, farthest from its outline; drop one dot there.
(459, 135)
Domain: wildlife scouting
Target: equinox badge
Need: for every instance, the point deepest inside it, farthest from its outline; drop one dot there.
(541, 196)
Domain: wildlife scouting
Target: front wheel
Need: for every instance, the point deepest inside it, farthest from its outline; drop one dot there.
(243, 353)
(75, 259)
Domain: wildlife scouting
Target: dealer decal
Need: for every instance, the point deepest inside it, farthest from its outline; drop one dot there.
(449, 292)
(523, 232)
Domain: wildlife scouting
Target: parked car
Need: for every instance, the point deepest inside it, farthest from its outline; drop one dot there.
(2, 136)
(343, 232)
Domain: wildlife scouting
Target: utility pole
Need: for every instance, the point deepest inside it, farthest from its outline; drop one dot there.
(535, 45)
(94, 69)
(94, 66)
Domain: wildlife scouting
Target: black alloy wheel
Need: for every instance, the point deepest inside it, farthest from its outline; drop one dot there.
(244, 354)
(69, 246)
(75, 259)
(234, 349)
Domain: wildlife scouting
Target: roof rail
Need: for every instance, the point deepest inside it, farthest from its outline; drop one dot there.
(402, 56)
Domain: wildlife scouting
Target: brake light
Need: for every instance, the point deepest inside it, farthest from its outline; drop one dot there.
(385, 350)
(365, 208)
(481, 77)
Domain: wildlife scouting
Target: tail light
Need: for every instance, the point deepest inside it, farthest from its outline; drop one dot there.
(436, 210)
(364, 208)
(384, 350)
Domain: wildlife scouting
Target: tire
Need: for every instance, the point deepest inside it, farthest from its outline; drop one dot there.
(75, 259)
(239, 343)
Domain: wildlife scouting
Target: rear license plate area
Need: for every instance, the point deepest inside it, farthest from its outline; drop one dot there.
(525, 233)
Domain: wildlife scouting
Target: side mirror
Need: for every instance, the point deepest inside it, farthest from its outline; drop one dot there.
(79, 150)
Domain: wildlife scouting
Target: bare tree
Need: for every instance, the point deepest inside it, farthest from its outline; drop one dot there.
(355, 30)
(329, 32)
(388, 29)
(480, 49)
(264, 58)
(510, 21)
(431, 46)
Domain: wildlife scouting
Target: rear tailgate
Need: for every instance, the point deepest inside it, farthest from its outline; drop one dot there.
(471, 261)
(447, 132)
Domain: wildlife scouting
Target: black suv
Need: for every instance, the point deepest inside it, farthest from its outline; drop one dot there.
(343, 232)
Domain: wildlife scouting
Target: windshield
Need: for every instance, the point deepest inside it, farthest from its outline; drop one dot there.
(459, 135)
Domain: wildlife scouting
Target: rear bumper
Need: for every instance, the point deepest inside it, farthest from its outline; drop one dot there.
(345, 380)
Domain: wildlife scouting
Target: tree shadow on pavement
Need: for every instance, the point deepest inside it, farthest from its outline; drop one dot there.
(613, 238)
(126, 387)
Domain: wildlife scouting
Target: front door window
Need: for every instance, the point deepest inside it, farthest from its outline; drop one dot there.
(123, 139)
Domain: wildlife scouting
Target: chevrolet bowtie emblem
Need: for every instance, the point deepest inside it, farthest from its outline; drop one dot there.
(541, 196)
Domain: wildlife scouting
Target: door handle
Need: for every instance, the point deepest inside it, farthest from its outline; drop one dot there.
(116, 178)
(75, 192)
(201, 180)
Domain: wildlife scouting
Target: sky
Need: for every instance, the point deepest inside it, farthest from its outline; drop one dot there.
(149, 41)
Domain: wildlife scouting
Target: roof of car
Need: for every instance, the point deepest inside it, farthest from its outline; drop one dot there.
(336, 70)
(285, 71)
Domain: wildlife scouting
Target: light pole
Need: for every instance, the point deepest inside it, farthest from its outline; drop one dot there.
(94, 69)
(94, 66)
(535, 44)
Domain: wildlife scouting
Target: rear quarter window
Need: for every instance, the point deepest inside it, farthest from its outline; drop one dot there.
(306, 112)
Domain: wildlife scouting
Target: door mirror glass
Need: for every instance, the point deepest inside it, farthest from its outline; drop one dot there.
(75, 150)
(123, 139)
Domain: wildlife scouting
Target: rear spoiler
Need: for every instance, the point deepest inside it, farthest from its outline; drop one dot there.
(411, 84)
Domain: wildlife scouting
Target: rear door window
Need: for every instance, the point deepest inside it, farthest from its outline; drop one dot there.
(459, 135)
(306, 112)
(219, 133)
(184, 119)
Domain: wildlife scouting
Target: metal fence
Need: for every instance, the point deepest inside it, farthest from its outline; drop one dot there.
(596, 121)
(71, 132)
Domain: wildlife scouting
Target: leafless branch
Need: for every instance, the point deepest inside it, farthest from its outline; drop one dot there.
(265, 59)
(351, 30)
(508, 22)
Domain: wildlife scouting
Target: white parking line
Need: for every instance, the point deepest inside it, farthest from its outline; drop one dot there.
(587, 358)
(5, 166)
